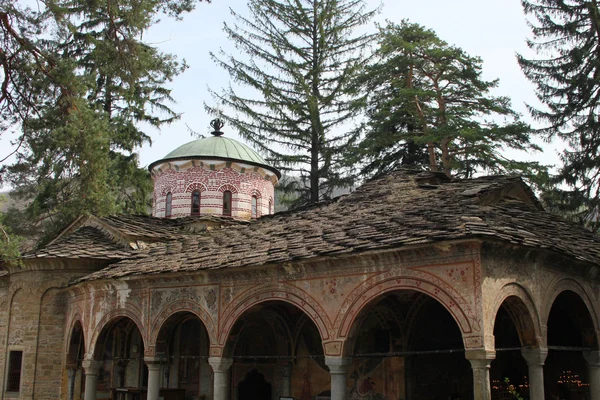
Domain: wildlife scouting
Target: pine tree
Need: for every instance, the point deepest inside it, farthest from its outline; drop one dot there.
(429, 104)
(566, 36)
(83, 84)
(301, 60)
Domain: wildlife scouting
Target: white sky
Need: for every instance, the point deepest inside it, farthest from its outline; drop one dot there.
(492, 29)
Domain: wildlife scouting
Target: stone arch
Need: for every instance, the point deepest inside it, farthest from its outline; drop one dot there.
(167, 189)
(376, 287)
(75, 339)
(257, 193)
(74, 318)
(199, 186)
(179, 306)
(567, 284)
(16, 289)
(523, 312)
(274, 292)
(14, 331)
(229, 187)
(107, 322)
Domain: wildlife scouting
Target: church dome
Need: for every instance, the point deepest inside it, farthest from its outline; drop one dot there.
(219, 148)
(213, 176)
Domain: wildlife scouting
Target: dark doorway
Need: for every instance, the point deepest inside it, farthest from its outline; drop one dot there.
(254, 387)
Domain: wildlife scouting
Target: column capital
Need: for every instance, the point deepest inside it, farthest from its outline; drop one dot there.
(480, 354)
(220, 364)
(534, 355)
(480, 358)
(91, 367)
(338, 365)
(154, 360)
(592, 357)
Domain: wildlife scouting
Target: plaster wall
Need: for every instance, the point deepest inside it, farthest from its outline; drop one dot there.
(331, 292)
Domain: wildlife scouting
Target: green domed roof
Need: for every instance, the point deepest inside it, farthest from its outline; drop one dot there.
(218, 147)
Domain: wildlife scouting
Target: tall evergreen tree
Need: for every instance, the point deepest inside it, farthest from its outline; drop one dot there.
(301, 60)
(83, 83)
(566, 72)
(428, 104)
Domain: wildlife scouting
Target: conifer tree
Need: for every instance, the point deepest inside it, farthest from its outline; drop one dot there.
(300, 58)
(78, 81)
(428, 104)
(566, 72)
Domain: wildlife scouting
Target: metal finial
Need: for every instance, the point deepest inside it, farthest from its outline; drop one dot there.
(217, 124)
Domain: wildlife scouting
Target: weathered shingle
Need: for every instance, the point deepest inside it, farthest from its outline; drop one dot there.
(397, 210)
(87, 242)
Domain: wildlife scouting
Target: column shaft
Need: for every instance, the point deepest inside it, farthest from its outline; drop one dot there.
(480, 363)
(91, 368)
(535, 358)
(593, 360)
(286, 380)
(220, 367)
(338, 369)
(153, 379)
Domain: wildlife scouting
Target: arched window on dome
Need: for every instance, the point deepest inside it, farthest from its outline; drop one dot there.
(227, 203)
(168, 205)
(195, 202)
(254, 207)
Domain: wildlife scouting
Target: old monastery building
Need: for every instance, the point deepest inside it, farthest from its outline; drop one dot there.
(414, 286)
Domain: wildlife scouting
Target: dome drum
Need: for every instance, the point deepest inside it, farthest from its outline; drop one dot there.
(213, 176)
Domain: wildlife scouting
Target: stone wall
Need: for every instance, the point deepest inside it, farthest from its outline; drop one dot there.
(34, 323)
(50, 345)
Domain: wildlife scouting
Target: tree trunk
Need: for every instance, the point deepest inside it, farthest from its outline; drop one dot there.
(316, 128)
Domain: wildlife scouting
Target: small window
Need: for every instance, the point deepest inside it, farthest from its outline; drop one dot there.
(227, 203)
(196, 203)
(254, 207)
(270, 206)
(169, 205)
(15, 360)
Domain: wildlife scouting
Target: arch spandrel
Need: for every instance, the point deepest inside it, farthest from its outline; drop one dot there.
(385, 283)
(273, 292)
(179, 306)
(523, 311)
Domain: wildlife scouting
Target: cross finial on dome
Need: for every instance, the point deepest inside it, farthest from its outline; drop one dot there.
(217, 124)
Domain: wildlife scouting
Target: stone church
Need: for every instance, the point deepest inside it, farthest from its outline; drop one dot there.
(413, 286)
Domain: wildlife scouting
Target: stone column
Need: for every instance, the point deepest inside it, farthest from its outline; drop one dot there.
(72, 373)
(593, 361)
(154, 364)
(91, 368)
(220, 367)
(535, 358)
(338, 369)
(480, 364)
(286, 380)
